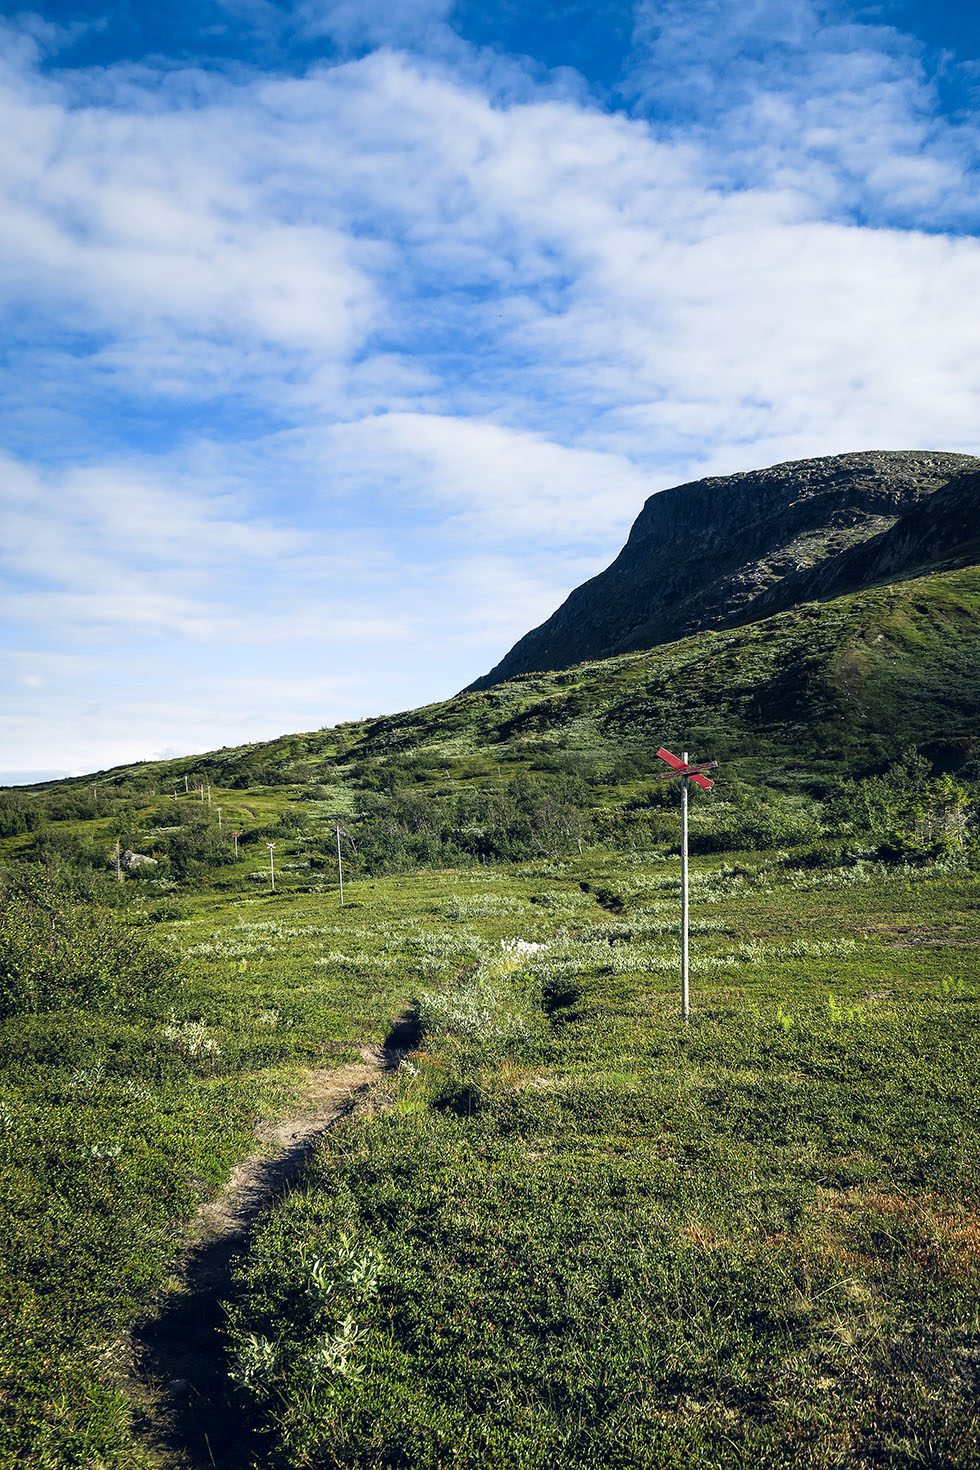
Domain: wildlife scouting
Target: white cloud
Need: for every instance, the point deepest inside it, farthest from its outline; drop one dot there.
(373, 22)
(492, 480)
(797, 93)
(382, 236)
(180, 707)
(362, 370)
(158, 215)
(176, 549)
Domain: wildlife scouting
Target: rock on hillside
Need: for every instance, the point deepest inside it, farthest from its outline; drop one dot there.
(728, 549)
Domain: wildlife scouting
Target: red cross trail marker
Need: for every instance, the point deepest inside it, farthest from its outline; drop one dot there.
(682, 770)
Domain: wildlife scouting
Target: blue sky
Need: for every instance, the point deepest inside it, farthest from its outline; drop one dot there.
(341, 339)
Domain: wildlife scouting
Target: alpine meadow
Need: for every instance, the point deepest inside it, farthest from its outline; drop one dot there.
(577, 1071)
(439, 1175)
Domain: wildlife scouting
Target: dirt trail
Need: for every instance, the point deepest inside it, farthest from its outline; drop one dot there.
(189, 1415)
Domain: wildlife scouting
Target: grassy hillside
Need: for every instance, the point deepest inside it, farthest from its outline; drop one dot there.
(856, 679)
(571, 1231)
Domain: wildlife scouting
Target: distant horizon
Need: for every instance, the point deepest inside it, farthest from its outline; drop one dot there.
(346, 338)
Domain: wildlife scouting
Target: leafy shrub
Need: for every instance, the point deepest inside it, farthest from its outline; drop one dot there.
(754, 820)
(531, 816)
(18, 815)
(56, 954)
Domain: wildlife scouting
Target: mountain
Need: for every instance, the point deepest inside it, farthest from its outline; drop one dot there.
(808, 676)
(731, 549)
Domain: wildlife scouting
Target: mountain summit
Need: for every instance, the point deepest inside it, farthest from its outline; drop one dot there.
(734, 548)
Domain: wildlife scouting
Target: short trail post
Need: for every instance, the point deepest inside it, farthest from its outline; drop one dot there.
(684, 771)
(272, 865)
(340, 867)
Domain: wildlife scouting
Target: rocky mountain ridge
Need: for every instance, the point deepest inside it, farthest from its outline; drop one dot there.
(729, 549)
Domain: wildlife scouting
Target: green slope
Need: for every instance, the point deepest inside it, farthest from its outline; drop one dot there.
(856, 679)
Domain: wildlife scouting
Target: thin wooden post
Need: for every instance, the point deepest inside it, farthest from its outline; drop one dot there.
(187, 786)
(340, 867)
(219, 819)
(685, 958)
(119, 876)
(272, 866)
(235, 836)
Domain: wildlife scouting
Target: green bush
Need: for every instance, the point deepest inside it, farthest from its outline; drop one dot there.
(56, 954)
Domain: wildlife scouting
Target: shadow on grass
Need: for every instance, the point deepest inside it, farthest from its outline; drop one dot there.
(403, 1037)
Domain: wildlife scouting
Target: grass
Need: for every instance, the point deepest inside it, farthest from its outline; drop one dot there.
(600, 1238)
(113, 1129)
(596, 1237)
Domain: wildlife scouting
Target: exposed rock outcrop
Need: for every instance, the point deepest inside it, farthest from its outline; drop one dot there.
(729, 549)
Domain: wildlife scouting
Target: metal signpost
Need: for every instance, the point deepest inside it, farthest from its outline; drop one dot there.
(681, 770)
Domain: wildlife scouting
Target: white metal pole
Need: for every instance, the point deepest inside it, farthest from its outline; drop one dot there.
(272, 866)
(340, 867)
(685, 972)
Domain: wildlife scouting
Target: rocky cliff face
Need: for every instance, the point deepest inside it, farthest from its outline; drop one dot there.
(733, 548)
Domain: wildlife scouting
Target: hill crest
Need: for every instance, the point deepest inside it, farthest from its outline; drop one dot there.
(728, 549)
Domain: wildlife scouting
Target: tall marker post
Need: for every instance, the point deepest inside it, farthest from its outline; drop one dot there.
(684, 771)
(685, 907)
(272, 865)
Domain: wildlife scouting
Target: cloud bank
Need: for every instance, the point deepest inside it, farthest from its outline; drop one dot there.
(332, 379)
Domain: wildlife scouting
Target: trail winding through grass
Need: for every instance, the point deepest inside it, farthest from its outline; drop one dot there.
(190, 1416)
